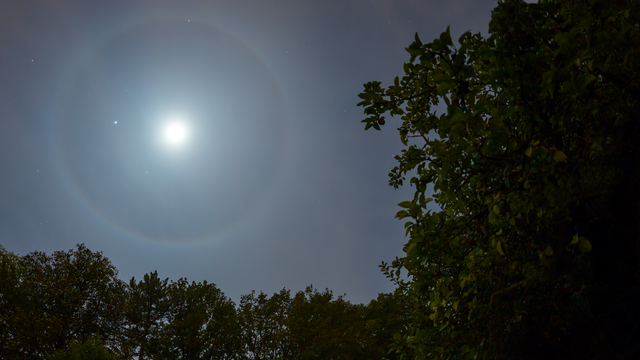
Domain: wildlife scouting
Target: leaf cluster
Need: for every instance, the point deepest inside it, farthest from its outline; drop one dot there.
(512, 133)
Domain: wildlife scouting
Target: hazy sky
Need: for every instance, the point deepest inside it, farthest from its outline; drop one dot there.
(275, 183)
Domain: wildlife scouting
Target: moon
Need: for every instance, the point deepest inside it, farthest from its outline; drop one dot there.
(175, 133)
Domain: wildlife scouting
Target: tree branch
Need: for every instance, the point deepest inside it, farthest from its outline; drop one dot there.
(506, 290)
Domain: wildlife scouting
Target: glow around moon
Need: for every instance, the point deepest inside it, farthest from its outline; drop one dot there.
(187, 150)
(175, 133)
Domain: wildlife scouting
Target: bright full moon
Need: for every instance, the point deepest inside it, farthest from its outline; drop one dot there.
(175, 133)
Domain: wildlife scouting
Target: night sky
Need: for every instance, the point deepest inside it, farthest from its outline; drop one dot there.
(274, 182)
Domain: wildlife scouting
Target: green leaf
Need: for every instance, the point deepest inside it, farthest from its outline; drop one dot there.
(464, 36)
(588, 79)
(457, 118)
(596, 147)
(407, 204)
(584, 245)
(417, 39)
(443, 88)
(437, 45)
(528, 152)
(559, 156)
(445, 37)
(575, 239)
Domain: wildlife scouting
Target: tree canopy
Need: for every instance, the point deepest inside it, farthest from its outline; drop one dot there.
(528, 141)
(71, 305)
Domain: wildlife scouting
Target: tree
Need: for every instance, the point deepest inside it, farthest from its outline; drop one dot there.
(70, 305)
(262, 321)
(56, 300)
(201, 323)
(384, 317)
(321, 327)
(527, 160)
(146, 313)
(91, 348)
(315, 325)
(11, 312)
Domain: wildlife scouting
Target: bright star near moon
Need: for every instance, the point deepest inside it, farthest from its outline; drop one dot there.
(175, 133)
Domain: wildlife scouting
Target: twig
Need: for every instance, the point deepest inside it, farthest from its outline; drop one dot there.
(506, 290)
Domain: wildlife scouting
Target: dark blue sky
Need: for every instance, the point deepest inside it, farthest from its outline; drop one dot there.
(276, 183)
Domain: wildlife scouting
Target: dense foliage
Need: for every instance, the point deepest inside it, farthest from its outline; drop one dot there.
(71, 305)
(528, 140)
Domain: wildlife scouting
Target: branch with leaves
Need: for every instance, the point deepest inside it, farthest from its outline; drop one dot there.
(527, 132)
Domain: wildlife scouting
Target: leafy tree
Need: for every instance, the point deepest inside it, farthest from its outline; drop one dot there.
(146, 313)
(11, 298)
(70, 305)
(262, 321)
(59, 299)
(323, 328)
(91, 348)
(535, 138)
(384, 317)
(315, 325)
(200, 324)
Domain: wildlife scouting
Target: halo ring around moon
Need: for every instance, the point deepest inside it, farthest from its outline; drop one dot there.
(84, 175)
